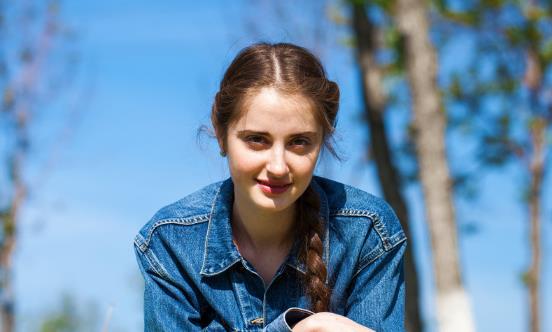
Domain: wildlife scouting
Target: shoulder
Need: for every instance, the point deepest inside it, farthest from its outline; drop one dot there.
(193, 209)
(350, 205)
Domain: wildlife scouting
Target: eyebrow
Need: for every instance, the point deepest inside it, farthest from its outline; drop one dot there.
(265, 133)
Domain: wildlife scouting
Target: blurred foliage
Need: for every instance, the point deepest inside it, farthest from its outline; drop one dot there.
(499, 75)
(65, 320)
(486, 96)
(507, 95)
(36, 58)
(69, 315)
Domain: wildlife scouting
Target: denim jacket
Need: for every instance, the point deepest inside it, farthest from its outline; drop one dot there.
(196, 280)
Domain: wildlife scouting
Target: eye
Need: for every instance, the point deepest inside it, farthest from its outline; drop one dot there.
(300, 141)
(256, 141)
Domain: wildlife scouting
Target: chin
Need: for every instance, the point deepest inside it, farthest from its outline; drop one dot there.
(273, 204)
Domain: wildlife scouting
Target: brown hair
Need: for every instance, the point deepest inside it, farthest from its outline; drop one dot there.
(291, 70)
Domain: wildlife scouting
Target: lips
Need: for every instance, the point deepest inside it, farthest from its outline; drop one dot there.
(273, 187)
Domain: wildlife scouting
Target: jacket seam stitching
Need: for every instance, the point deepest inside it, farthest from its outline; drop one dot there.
(179, 221)
(351, 213)
(240, 300)
(139, 242)
(155, 265)
(379, 226)
(209, 219)
(382, 251)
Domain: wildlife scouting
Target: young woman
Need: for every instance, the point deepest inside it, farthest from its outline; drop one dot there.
(273, 248)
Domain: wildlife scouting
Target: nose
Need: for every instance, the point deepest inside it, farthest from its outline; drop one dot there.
(277, 165)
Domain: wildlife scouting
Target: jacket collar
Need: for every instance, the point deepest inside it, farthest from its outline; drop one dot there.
(220, 252)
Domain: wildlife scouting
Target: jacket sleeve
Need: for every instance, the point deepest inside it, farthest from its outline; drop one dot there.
(376, 295)
(166, 306)
(287, 320)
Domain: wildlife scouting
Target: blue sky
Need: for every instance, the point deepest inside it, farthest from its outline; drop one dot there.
(147, 75)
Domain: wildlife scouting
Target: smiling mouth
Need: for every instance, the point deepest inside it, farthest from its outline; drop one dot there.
(273, 188)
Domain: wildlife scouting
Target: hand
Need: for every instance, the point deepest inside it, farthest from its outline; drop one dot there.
(329, 322)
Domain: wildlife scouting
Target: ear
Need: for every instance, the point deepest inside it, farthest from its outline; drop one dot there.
(222, 147)
(220, 141)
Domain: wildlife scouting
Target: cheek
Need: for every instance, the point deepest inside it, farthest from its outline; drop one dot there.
(304, 165)
(243, 166)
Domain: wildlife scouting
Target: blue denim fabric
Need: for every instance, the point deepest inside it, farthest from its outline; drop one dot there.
(195, 278)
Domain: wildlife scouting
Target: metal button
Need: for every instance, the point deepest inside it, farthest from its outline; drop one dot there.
(257, 321)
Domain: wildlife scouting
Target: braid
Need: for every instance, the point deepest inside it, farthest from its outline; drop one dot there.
(310, 231)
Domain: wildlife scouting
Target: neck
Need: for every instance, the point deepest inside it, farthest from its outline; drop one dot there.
(261, 229)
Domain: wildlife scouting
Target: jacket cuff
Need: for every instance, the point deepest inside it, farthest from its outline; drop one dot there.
(287, 320)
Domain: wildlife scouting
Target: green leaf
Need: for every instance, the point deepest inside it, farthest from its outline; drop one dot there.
(455, 89)
(440, 5)
(391, 36)
(349, 42)
(535, 13)
(396, 42)
(358, 2)
(545, 53)
(63, 321)
(469, 18)
(336, 16)
(515, 35)
(525, 278)
(386, 5)
(532, 34)
(492, 4)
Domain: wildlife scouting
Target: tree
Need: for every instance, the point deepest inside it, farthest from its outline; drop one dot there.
(367, 35)
(30, 32)
(517, 131)
(453, 307)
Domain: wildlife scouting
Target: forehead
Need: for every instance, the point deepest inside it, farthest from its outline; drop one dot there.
(270, 110)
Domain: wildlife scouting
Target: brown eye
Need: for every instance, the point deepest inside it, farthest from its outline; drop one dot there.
(301, 141)
(256, 141)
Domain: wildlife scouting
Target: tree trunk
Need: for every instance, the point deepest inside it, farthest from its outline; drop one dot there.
(533, 80)
(533, 274)
(19, 113)
(7, 306)
(10, 218)
(374, 106)
(9, 225)
(453, 306)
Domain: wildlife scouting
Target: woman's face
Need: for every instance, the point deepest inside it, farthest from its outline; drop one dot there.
(272, 150)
